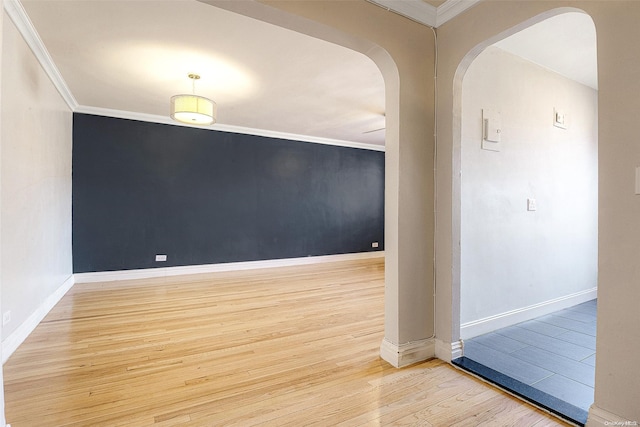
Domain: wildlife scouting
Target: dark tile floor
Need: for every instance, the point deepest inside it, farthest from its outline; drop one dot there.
(553, 354)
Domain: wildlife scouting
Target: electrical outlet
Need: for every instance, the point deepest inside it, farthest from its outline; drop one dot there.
(374, 244)
(161, 258)
(6, 317)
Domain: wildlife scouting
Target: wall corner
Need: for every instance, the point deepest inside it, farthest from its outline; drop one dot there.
(598, 417)
(447, 351)
(401, 355)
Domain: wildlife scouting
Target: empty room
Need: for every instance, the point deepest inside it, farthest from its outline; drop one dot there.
(248, 212)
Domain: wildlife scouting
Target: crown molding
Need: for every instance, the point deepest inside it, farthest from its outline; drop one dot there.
(452, 8)
(152, 118)
(424, 13)
(18, 15)
(416, 10)
(21, 20)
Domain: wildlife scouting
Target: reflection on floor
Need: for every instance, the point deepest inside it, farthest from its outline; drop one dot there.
(550, 360)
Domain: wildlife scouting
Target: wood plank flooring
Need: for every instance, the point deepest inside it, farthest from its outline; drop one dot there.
(296, 346)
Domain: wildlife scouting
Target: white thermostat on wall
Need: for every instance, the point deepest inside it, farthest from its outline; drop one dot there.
(491, 129)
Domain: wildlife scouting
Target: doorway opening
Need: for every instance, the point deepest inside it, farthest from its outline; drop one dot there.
(528, 213)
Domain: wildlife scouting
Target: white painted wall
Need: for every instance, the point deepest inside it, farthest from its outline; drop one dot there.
(512, 258)
(35, 219)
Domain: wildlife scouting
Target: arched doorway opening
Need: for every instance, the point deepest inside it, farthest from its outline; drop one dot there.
(527, 132)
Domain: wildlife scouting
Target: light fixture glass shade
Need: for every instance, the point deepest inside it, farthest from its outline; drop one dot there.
(193, 109)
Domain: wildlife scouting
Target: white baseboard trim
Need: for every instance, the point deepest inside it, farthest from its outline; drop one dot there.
(399, 355)
(448, 351)
(598, 417)
(17, 337)
(502, 320)
(148, 273)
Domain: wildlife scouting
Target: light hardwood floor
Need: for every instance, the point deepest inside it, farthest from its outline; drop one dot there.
(295, 346)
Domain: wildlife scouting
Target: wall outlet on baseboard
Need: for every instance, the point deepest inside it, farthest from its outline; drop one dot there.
(374, 244)
(6, 317)
(161, 258)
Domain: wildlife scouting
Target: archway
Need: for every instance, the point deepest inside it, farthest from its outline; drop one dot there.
(507, 266)
(409, 204)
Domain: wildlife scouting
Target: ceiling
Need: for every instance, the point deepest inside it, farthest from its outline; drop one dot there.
(128, 57)
(564, 43)
(133, 56)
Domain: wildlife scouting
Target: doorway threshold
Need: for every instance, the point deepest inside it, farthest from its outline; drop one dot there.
(539, 398)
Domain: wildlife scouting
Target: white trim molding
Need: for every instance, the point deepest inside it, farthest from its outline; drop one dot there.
(598, 417)
(17, 337)
(424, 13)
(416, 10)
(149, 273)
(448, 351)
(15, 10)
(152, 118)
(452, 8)
(502, 320)
(21, 20)
(400, 355)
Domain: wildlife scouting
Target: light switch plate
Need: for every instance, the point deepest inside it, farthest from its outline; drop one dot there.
(559, 119)
(491, 129)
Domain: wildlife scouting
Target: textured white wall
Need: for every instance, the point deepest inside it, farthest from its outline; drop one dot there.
(512, 258)
(36, 183)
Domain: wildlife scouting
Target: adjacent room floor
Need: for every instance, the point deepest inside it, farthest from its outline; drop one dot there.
(550, 360)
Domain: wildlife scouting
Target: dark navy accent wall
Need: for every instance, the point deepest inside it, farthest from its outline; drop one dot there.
(207, 197)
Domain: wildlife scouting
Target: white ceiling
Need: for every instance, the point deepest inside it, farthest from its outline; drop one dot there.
(132, 55)
(564, 43)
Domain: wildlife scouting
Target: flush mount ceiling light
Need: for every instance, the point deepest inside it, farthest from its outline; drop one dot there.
(193, 109)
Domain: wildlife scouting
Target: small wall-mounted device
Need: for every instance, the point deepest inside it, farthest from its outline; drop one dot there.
(161, 258)
(491, 129)
(559, 119)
